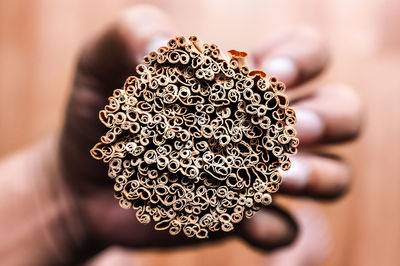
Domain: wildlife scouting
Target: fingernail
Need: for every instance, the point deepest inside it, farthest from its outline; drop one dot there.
(156, 42)
(284, 68)
(309, 126)
(298, 175)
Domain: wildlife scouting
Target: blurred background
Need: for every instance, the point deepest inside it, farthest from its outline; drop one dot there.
(39, 43)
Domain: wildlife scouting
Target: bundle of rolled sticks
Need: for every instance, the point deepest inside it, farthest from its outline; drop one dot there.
(196, 139)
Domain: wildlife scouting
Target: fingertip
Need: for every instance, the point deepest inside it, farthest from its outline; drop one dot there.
(294, 57)
(269, 229)
(297, 177)
(330, 178)
(282, 67)
(333, 113)
(309, 126)
(142, 27)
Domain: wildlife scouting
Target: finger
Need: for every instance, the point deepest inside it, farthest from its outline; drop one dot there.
(331, 114)
(112, 56)
(270, 228)
(294, 57)
(314, 242)
(316, 176)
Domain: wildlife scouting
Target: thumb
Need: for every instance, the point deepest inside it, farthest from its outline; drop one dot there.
(111, 57)
(103, 65)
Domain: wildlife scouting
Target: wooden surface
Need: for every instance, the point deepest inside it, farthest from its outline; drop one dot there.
(39, 41)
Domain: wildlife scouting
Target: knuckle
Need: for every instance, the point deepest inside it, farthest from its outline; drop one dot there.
(340, 178)
(352, 117)
(343, 180)
(347, 111)
(308, 32)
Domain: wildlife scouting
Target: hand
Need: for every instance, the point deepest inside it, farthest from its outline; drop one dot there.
(327, 115)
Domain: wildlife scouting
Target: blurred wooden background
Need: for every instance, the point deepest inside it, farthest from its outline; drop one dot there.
(40, 39)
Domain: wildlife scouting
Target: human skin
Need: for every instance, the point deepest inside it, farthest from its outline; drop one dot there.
(60, 207)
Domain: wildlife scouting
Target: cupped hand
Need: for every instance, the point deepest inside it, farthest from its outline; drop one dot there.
(328, 114)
